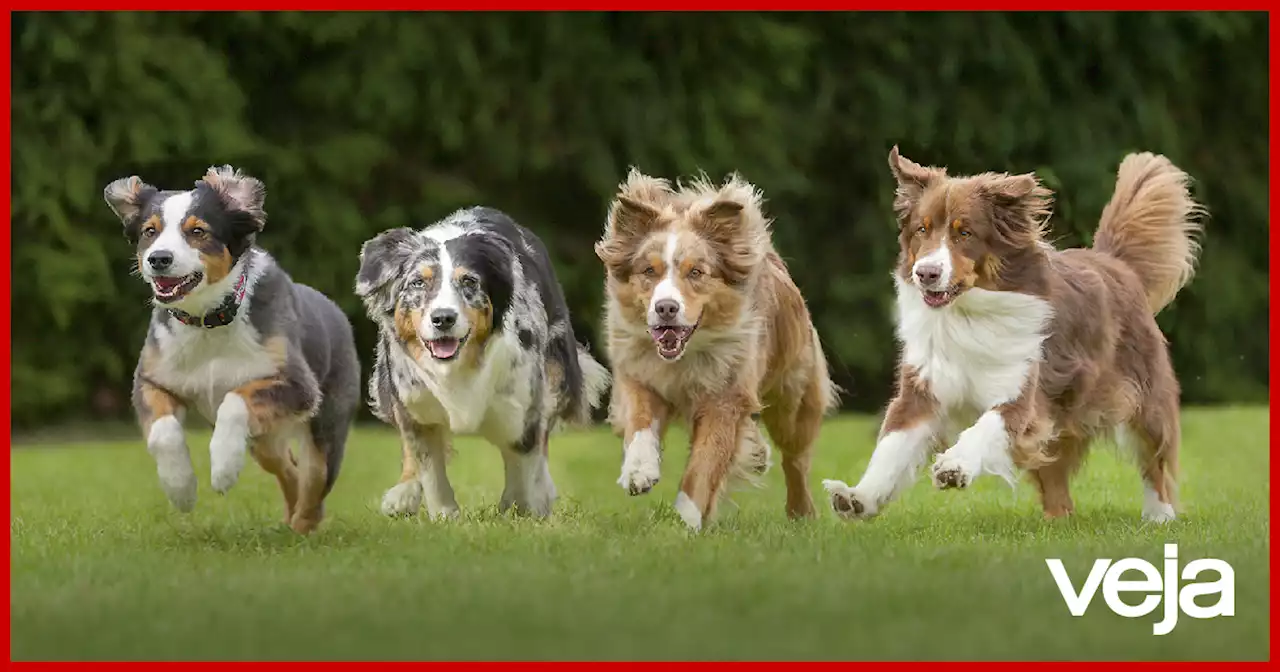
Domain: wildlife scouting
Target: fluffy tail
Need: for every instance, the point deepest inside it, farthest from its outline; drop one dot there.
(1151, 225)
(595, 382)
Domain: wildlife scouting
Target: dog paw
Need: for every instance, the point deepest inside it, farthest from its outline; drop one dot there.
(847, 502)
(305, 522)
(446, 513)
(949, 472)
(173, 463)
(639, 480)
(403, 499)
(641, 464)
(689, 512)
(1156, 511)
(537, 505)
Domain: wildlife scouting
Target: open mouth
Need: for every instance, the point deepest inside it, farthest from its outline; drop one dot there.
(446, 348)
(935, 299)
(168, 290)
(671, 340)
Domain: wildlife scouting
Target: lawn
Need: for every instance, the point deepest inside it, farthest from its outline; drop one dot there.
(103, 568)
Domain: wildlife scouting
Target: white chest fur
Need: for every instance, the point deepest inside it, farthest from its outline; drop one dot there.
(976, 353)
(202, 365)
(490, 401)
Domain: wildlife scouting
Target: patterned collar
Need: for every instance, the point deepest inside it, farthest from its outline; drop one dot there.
(224, 313)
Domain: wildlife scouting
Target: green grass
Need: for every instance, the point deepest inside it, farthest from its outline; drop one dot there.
(102, 568)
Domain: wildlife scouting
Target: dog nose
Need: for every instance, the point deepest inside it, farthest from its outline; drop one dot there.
(667, 309)
(928, 274)
(444, 318)
(160, 260)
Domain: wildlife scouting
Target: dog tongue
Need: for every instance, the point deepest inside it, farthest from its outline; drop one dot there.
(443, 348)
(667, 337)
(167, 283)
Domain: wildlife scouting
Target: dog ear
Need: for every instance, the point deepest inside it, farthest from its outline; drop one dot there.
(382, 260)
(912, 179)
(736, 228)
(239, 191)
(125, 197)
(1020, 205)
(629, 221)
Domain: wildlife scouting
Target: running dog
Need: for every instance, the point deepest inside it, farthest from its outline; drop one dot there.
(1046, 349)
(267, 360)
(474, 338)
(705, 323)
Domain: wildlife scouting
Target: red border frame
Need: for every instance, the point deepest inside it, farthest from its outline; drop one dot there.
(652, 5)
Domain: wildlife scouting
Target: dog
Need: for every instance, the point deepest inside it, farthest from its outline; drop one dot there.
(474, 338)
(705, 323)
(1047, 349)
(267, 360)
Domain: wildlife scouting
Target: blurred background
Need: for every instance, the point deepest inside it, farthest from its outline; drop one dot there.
(359, 122)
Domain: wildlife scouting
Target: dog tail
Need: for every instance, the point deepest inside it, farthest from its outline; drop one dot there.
(1151, 224)
(595, 382)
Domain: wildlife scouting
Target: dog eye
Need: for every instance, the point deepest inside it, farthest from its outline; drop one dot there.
(417, 283)
(468, 282)
(650, 271)
(922, 229)
(695, 273)
(149, 231)
(197, 232)
(965, 233)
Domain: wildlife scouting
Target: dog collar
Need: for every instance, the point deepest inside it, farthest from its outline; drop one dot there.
(224, 313)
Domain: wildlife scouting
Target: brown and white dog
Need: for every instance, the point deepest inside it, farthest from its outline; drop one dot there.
(1046, 349)
(704, 322)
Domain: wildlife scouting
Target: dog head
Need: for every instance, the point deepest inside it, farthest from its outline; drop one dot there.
(679, 260)
(957, 233)
(442, 292)
(187, 242)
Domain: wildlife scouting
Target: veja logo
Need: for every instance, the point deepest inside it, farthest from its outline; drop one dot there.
(1109, 576)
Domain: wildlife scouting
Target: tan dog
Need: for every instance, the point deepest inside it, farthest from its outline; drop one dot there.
(704, 322)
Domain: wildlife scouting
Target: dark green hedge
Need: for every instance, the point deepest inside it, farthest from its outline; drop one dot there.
(360, 122)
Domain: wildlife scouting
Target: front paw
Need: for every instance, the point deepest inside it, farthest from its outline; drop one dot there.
(639, 479)
(404, 499)
(229, 444)
(641, 464)
(951, 472)
(173, 463)
(848, 503)
(226, 456)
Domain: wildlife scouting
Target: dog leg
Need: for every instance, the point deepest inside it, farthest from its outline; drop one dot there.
(160, 416)
(312, 471)
(405, 497)
(983, 448)
(716, 427)
(255, 409)
(1053, 479)
(529, 487)
(229, 443)
(1010, 436)
(1153, 439)
(906, 437)
(430, 448)
(795, 424)
(645, 420)
(274, 456)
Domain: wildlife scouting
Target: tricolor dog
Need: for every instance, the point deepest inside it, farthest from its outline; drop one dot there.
(474, 338)
(270, 362)
(1016, 355)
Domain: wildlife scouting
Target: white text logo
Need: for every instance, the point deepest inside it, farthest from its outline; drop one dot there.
(1109, 576)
